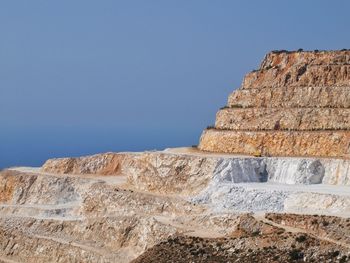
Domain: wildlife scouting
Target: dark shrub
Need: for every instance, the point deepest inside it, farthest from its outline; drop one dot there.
(296, 254)
(300, 238)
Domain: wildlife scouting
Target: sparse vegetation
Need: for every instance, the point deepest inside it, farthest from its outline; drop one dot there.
(325, 223)
(237, 106)
(256, 233)
(296, 254)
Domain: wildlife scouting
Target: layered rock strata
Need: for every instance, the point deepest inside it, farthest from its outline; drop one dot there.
(225, 183)
(296, 104)
(154, 206)
(172, 171)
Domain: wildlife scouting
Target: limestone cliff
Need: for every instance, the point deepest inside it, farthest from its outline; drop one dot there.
(295, 104)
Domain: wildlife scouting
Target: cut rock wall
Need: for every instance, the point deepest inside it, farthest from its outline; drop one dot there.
(296, 104)
(166, 172)
(297, 97)
(308, 119)
(278, 143)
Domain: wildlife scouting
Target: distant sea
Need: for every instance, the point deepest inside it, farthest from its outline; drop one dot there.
(31, 148)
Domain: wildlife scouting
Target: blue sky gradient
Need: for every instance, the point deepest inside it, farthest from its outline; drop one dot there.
(82, 77)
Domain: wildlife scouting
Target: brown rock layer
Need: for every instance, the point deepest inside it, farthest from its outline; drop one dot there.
(298, 97)
(280, 69)
(7, 185)
(103, 164)
(288, 119)
(278, 143)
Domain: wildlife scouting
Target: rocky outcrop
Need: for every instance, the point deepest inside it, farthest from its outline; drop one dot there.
(301, 69)
(103, 164)
(304, 93)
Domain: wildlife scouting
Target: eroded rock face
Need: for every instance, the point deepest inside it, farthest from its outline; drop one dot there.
(306, 93)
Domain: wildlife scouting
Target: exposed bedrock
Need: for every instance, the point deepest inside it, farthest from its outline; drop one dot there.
(295, 171)
(291, 97)
(325, 68)
(318, 203)
(299, 75)
(306, 93)
(233, 183)
(104, 164)
(277, 143)
(20, 188)
(105, 239)
(73, 219)
(151, 171)
(308, 119)
(116, 206)
(240, 170)
(170, 172)
(222, 196)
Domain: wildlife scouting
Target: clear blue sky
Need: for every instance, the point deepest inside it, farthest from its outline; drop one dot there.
(81, 77)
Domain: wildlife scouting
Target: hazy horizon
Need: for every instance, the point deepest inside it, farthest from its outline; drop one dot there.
(83, 77)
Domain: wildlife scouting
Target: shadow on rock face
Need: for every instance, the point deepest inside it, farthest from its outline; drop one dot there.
(317, 170)
(241, 170)
(310, 172)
